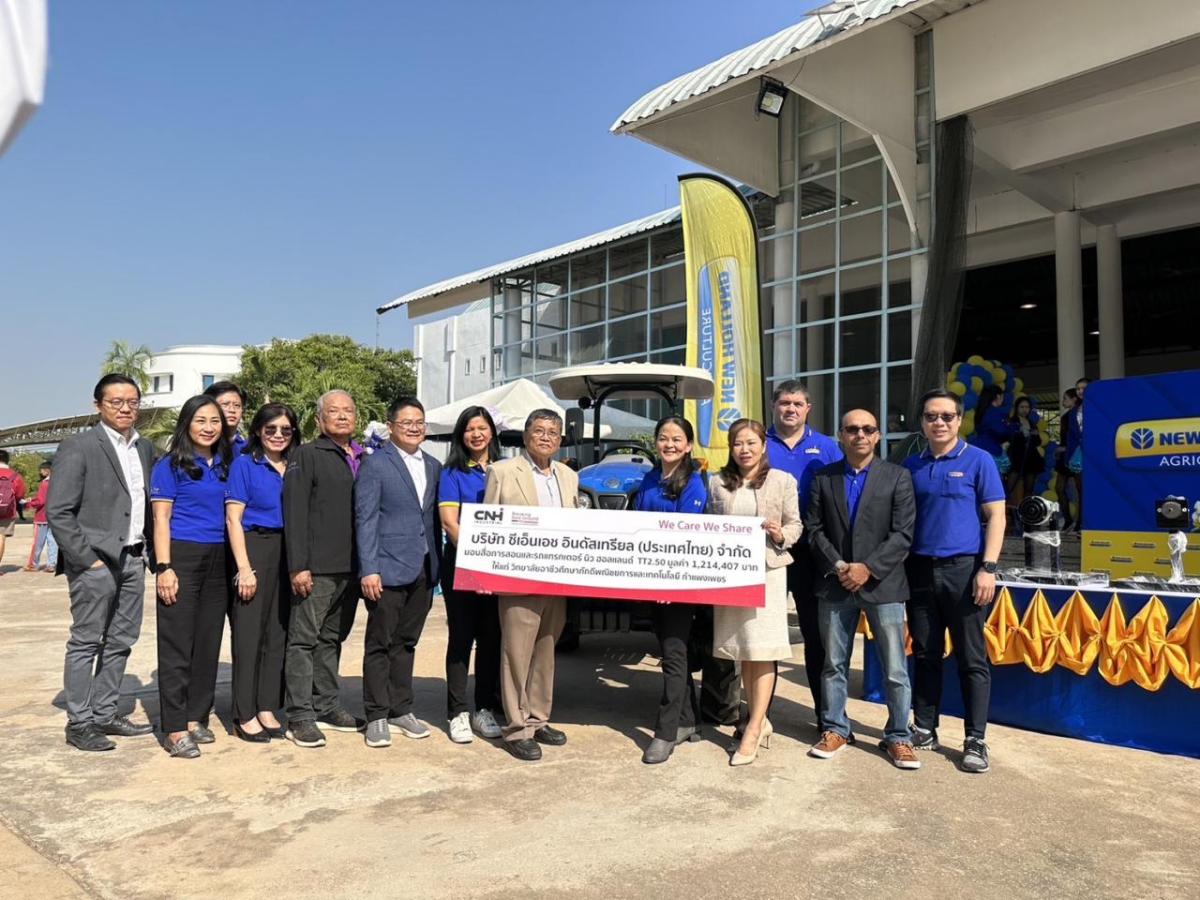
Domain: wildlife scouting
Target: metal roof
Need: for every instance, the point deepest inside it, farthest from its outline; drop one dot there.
(820, 24)
(600, 238)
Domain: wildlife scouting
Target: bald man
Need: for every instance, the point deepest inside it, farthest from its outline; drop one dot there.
(859, 522)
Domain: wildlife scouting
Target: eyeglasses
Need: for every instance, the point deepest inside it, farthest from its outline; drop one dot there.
(945, 417)
(281, 430)
(545, 433)
(122, 404)
(868, 430)
(411, 425)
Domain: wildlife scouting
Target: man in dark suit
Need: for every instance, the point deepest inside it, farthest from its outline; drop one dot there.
(859, 521)
(98, 509)
(399, 537)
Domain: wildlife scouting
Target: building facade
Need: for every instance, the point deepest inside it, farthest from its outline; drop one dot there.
(178, 373)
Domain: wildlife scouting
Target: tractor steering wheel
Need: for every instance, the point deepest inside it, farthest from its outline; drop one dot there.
(618, 448)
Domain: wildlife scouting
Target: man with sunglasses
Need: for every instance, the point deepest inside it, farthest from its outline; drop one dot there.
(952, 573)
(859, 523)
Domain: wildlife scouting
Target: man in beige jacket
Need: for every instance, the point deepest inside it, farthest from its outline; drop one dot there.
(530, 626)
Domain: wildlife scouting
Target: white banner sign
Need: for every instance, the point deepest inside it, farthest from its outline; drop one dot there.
(611, 554)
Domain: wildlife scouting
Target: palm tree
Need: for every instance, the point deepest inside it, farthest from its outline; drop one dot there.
(157, 426)
(125, 359)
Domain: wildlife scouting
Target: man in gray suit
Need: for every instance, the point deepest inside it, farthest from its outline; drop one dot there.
(399, 536)
(99, 513)
(859, 522)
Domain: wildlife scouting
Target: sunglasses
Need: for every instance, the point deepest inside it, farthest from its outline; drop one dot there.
(281, 430)
(868, 430)
(945, 417)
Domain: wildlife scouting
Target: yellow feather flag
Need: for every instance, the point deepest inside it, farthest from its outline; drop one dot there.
(724, 335)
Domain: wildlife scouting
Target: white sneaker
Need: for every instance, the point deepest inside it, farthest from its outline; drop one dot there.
(460, 729)
(484, 724)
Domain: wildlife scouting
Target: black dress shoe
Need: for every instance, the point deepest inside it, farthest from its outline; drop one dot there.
(202, 734)
(524, 749)
(88, 737)
(688, 734)
(121, 726)
(259, 737)
(276, 734)
(659, 751)
(551, 736)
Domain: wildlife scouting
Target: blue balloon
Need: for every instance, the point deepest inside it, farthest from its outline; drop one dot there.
(970, 400)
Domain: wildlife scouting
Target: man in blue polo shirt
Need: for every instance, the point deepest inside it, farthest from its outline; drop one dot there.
(800, 451)
(952, 573)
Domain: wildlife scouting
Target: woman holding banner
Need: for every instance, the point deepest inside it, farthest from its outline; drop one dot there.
(674, 485)
(756, 637)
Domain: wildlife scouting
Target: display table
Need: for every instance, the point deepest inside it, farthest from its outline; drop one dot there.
(1113, 666)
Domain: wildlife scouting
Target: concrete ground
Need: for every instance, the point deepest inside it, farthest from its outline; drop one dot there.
(1055, 817)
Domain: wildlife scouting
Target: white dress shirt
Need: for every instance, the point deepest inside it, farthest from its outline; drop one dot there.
(135, 480)
(546, 485)
(415, 463)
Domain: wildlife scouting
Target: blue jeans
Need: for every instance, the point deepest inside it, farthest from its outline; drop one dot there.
(44, 538)
(838, 620)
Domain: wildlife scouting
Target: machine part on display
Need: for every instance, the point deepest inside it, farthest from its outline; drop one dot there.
(1043, 541)
(1172, 513)
(1082, 580)
(1177, 544)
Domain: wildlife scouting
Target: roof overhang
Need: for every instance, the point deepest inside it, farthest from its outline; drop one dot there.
(22, 64)
(854, 59)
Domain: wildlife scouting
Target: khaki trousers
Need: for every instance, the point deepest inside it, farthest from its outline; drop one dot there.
(529, 629)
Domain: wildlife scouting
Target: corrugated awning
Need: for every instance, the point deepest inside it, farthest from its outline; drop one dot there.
(819, 25)
(484, 276)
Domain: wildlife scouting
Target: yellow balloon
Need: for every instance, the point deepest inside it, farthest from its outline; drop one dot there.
(967, 428)
(976, 384)
(1050, 494)
(975, 360)
(957, 387)
(1018, 385)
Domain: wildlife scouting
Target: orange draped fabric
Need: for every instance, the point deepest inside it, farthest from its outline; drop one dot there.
(1142, 650)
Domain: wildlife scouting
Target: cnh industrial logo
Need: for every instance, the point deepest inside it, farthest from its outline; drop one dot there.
(489, 515)
(1159, 443)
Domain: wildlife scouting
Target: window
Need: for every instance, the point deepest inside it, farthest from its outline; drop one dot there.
(482, 364)
(162, 384)
(468, 369)
(207, 381)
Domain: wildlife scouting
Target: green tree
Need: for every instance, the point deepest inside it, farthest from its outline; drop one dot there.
(157, 426)
(125, 359)
(298, 372)
(28, 466)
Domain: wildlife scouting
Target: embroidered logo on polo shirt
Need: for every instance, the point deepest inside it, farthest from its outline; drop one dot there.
(956, 474)
(813, 450)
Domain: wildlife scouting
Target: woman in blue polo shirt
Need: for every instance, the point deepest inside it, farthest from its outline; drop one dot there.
(472, 619)
(258, 619)
(187, 490)
(674, 485)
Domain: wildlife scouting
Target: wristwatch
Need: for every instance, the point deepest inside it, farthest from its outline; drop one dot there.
(989, 567)
(161, 567)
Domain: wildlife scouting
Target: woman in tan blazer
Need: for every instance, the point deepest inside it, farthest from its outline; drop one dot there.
(756, 637)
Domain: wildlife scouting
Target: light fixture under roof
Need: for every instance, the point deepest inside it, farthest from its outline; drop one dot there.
(1028, 306)
(771, 95)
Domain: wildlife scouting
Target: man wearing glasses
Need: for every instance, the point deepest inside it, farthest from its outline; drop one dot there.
(318, 532)
(399, 537)
(99, 513)
(796, 448)
(860, 524)
(952, 573)
(530, 626)
(232, 400)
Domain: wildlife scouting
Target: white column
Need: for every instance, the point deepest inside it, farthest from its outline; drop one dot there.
(1068, 278)
(1112, 302)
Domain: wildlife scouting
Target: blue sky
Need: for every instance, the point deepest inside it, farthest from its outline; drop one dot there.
(229, 172)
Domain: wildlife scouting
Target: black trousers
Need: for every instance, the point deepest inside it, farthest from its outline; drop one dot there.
(394, 625)
(720, 684)
(473, 620)
(679, 706)
(941, 599)
(259, 629)
(189, 635)
(800, 575)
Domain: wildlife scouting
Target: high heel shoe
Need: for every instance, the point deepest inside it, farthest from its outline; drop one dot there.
(764, 742)
(259, 737)
(764, 737)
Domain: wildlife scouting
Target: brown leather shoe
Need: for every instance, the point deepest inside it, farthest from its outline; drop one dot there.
(828, 746)
(902, 755)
